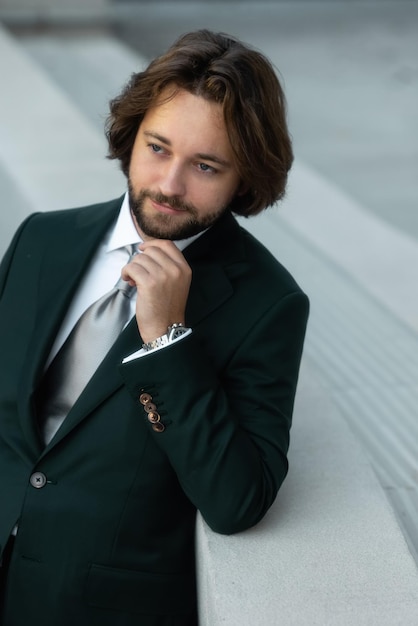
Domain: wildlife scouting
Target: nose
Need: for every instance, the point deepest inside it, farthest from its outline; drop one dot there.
(172, 181)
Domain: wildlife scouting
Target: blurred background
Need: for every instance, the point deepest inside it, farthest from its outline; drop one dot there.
(350, 70)
(348, 229)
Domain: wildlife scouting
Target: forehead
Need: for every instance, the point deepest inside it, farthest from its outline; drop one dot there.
(182, 116)
(173, 96)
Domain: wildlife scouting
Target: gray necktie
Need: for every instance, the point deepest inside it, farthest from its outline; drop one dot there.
(82, 352)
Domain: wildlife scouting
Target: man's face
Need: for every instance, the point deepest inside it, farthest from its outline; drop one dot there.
(182, 175)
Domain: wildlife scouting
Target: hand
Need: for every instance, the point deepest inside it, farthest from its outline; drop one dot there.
(162, 277)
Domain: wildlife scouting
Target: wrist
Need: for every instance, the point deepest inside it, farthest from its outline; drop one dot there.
(174, 331)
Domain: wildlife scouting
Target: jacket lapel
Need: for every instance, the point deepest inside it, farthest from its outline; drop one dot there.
(65, 259)
(213, 257)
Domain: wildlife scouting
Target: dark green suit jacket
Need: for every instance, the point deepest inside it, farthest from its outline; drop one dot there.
(108, 540)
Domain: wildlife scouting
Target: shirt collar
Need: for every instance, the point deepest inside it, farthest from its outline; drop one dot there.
(124, 232)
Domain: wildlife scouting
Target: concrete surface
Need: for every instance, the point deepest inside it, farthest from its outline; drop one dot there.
(50, 155)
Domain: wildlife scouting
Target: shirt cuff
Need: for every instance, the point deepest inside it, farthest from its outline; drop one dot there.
(140, 353)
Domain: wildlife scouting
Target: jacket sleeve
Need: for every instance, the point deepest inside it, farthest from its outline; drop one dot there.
(226, 431)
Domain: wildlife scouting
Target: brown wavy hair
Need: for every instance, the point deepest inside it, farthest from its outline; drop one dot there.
(223, 70)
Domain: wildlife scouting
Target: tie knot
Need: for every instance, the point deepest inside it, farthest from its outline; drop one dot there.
(132, 250)
(122, 285)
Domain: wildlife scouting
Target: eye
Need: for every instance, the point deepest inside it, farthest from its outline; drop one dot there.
(204, 167)
(155, 148)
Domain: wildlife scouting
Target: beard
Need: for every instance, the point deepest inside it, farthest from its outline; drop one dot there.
(174, 227)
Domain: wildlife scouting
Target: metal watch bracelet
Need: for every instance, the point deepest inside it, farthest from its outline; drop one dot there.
(173, 332)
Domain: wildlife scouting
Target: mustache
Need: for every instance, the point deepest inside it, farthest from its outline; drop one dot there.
(172, 201)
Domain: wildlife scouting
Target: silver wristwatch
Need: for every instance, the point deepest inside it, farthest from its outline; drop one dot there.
(173, 332)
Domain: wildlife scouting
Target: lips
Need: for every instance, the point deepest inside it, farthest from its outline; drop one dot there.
(166, 208)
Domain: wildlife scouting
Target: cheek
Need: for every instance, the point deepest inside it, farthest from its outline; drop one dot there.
(140, 171)
(227, 193)
(215, 196)
(212, 202)
(203, 197)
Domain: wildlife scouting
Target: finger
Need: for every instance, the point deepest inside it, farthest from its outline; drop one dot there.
(139, 268)
(164, 246)
(155, 268)
(168, 260)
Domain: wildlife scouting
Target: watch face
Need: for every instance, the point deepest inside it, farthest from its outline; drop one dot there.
(178, 332)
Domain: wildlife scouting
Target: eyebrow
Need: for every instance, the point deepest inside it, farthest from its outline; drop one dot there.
(200, 155)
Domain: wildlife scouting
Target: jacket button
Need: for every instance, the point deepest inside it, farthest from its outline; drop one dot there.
(158, 427)
(144, 398)
(153, 417)
(38, 480)
(150, 406)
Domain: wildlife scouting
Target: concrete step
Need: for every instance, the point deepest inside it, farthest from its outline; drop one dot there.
(89, 67)
(50, 154)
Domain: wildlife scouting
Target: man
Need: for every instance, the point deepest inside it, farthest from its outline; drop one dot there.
(107, 452)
